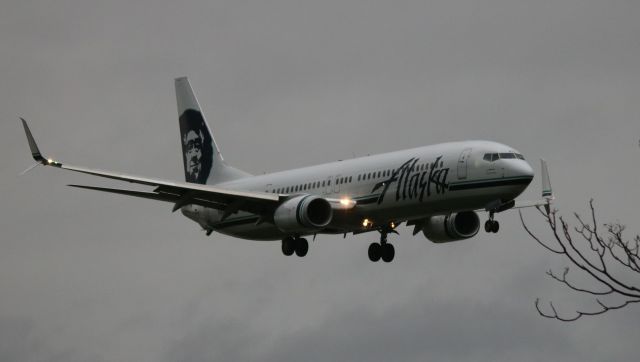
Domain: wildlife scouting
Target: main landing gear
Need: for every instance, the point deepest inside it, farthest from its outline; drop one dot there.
(382, 250)
(291, 245)
(491, 226)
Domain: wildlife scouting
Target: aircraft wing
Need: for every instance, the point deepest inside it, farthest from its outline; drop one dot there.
(179, 193)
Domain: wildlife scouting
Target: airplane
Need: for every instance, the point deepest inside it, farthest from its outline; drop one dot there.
(437, 189)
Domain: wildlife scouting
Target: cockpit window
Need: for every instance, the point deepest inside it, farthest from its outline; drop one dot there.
(491, 157)
(496, 156)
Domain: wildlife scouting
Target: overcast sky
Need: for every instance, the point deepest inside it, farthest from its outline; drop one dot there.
(86, 276)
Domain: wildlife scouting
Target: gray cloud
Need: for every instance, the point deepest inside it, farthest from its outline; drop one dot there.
(86, 276)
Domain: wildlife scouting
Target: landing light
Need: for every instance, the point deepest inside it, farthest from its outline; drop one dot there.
(366, 223)
(345, 201)
(50, 161)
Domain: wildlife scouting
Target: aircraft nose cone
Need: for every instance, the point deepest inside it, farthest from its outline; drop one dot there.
(523, 169)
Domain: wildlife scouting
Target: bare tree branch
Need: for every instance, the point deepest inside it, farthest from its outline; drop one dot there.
(536, 238)
(579, 314)
(601, 260)
(564, 281)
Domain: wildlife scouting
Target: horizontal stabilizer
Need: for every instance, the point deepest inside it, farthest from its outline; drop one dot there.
(142, 194)
(167, 197)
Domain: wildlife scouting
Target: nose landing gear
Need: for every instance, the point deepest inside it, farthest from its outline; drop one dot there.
(491, 226)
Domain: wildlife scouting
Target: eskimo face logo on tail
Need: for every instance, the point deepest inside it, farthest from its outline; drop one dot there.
(197, 149)
(413, 184)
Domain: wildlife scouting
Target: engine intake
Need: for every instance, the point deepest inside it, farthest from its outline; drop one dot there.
(303, 213)
(452, 227)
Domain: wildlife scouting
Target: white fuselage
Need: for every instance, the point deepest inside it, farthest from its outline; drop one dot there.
(388, 188)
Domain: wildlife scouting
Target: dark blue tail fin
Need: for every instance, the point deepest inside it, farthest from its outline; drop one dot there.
(203, 162)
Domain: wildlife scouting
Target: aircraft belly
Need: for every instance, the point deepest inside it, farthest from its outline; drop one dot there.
(243, 225)
(451, 201)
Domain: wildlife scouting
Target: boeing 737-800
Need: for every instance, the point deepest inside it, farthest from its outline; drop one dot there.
(437, 189)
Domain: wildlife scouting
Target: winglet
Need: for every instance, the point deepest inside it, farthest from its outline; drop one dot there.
(35, 152)
(547, 191)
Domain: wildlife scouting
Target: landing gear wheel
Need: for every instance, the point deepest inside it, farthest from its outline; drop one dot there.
(488, 226)
(491, 226)
(288, 246)
(375, 250)
(388, 252)
(302, 246)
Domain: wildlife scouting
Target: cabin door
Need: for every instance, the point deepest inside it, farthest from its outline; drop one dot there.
(463, 163)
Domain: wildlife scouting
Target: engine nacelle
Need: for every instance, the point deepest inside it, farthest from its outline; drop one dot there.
(452, 227)
(305, 213)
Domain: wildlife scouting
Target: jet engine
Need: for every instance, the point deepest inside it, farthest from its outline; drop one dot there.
(452, 227)
(305, 213)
